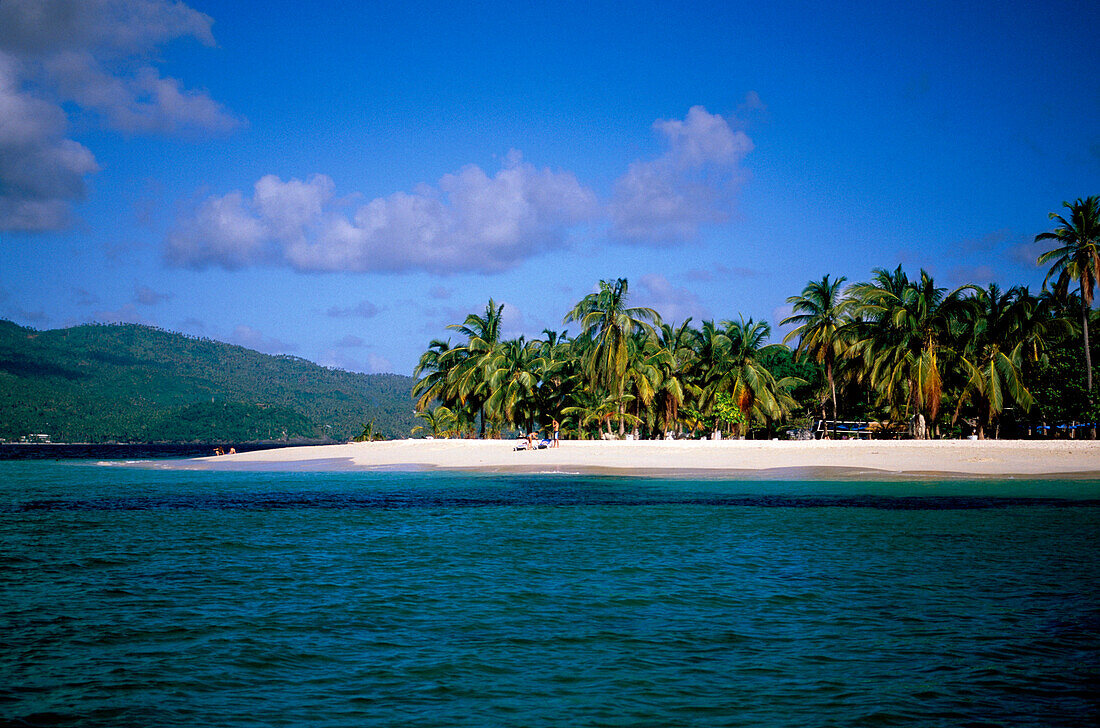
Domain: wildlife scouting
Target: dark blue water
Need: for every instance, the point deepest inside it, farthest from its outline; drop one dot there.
(142, 597)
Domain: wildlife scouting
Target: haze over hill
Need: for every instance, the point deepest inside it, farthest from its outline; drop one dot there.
(128, 382)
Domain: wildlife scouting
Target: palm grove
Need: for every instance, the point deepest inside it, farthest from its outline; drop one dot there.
(896, 349)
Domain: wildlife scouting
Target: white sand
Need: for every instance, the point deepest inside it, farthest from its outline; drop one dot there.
(869, 458)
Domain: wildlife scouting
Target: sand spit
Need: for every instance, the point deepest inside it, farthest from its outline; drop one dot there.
(734, 458)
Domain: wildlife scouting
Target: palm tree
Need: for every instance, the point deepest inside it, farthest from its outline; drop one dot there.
(435, 364)
(822, 316)
(1077, 258)
(641, 379)
(440, 420)
(754, 388)
(470, 379)
(906, 329)
(513, 378)
(672, 355)
(1000, 334)
(605, 317)
(729, 361)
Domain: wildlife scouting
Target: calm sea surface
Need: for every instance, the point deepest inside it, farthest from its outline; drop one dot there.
(146, 597)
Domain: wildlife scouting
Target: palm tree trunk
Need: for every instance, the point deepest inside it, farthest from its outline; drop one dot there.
(832, 386)
(1088, 357)
(1088, 353)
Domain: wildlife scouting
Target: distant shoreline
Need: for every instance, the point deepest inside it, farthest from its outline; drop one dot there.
(731, 458)
(108, 450)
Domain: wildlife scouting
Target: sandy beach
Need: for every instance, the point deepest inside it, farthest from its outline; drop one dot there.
(744, 458)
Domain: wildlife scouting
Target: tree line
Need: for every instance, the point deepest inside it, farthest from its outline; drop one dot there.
(902, 351)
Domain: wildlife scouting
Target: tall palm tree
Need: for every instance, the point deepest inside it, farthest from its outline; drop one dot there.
(471, 383)
(605, 317)
(434, 364)
(821, 315)
(672, 355)
(754, 388)
(513, 378)
(998, 338)
(1076, 258)
(906, 329)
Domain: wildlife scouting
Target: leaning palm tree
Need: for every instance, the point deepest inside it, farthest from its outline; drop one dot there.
(822, 316)
(1077, 259)
(605, 317)
(434, 364)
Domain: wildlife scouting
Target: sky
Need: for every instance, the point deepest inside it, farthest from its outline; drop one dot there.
(340, 181)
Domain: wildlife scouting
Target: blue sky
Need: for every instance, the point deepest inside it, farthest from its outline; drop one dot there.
(340, 181)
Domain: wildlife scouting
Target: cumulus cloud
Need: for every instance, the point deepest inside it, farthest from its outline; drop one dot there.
(94, 58)
(665, 200)
(675, 304)
(469, 222)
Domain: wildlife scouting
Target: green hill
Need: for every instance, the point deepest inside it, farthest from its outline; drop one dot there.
(134, 383)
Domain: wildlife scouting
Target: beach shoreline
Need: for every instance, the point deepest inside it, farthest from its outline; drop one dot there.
(740, 459)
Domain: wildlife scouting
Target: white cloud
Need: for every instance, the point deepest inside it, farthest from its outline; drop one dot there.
(469, 222)
(674, 304)
(666, 199)
(40, 170)
(91, 57)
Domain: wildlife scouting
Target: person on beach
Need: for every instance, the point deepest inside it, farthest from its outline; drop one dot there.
(557, 436)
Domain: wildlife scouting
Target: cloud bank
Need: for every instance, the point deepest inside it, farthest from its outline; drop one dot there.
(94, 58)
(470, 221)
(665, 200)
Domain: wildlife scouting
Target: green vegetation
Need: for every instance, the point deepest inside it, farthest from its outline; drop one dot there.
(133, 383)
(903, 352)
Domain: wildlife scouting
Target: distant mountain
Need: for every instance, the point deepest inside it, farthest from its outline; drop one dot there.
(126, 382)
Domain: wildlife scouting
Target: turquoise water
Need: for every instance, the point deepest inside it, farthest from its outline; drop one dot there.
(142, 597)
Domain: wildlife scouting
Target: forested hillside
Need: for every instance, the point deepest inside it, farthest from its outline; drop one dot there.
(127, 382)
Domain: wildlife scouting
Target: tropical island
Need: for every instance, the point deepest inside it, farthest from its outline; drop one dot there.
(898, 355)
(916, 363)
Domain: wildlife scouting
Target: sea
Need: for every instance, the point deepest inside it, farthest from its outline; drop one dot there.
(134, 594)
